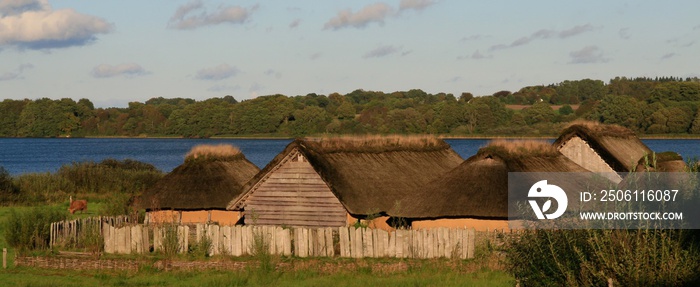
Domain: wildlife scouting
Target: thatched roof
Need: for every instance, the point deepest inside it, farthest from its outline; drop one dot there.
(478, 188)
(662, 162)
(618, 146)
(368, 175)
(208, 179)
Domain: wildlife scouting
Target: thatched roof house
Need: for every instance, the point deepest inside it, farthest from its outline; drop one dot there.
(208, 179)
(601, 148)
(475, 194)
(331, 182)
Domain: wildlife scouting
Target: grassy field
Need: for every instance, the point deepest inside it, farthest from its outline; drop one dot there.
(427, 276)
(304, 272)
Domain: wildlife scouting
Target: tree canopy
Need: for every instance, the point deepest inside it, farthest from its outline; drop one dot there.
(653, 106)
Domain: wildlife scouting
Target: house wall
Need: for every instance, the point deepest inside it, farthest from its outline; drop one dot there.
(477, 224)
(578, 151)
(200, 216)
(375, 223)
(163, 216)
(293, 194)
(225, 217)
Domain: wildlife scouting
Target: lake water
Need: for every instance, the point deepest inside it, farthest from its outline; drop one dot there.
(27, 155)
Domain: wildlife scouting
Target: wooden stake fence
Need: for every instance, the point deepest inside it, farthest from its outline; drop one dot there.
(298, 241)
(63, 232)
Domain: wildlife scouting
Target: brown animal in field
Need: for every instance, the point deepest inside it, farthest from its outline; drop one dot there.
(77, 205)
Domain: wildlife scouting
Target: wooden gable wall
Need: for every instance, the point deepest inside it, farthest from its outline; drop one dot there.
(293, 194)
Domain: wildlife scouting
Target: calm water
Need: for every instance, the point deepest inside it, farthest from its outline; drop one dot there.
(47, 155)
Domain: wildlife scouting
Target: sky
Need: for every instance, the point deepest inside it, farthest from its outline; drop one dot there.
(116, 52)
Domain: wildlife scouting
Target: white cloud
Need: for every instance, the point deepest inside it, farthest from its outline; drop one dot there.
(376, 13)
(545, 34)
(217, 73)
(35, 25)
(108, 71)
(193, 15)
(415, 4)
(382, 51)
(16, 74)
(588, 55)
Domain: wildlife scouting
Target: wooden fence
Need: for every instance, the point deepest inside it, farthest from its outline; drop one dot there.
(296, 241)
(69, 231)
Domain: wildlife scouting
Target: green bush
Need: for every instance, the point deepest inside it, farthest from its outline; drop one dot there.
(646, 257)
(30, 229)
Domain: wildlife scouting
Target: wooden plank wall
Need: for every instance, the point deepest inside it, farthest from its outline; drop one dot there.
(294, 195)
(302, 241)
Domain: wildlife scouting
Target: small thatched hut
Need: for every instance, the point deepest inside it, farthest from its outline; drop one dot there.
(199, 190)
(601, 148)
(475, 194)
(338, 181)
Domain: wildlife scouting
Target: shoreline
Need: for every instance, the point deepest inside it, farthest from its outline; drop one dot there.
(261, 137)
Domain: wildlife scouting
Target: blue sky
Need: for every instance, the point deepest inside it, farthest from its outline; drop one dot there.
(114, 52)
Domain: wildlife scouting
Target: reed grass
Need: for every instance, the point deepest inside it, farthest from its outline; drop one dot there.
(88, 179)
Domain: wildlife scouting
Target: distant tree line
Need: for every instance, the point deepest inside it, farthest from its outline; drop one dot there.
(653, 106)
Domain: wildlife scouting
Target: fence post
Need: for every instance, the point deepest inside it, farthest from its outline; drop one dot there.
(4, 258)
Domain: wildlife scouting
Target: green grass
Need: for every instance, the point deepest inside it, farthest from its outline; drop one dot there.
(251, 277)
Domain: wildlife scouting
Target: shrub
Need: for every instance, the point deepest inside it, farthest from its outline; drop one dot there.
(646, 257)
(201, 248)
(30, 229)
(261, 252)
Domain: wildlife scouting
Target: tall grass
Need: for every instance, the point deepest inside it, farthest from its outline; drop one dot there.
(31, 229)
(101, 179)
(171, 240)
(8, 190)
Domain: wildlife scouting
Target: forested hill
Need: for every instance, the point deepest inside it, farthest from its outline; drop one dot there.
(648, 106)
